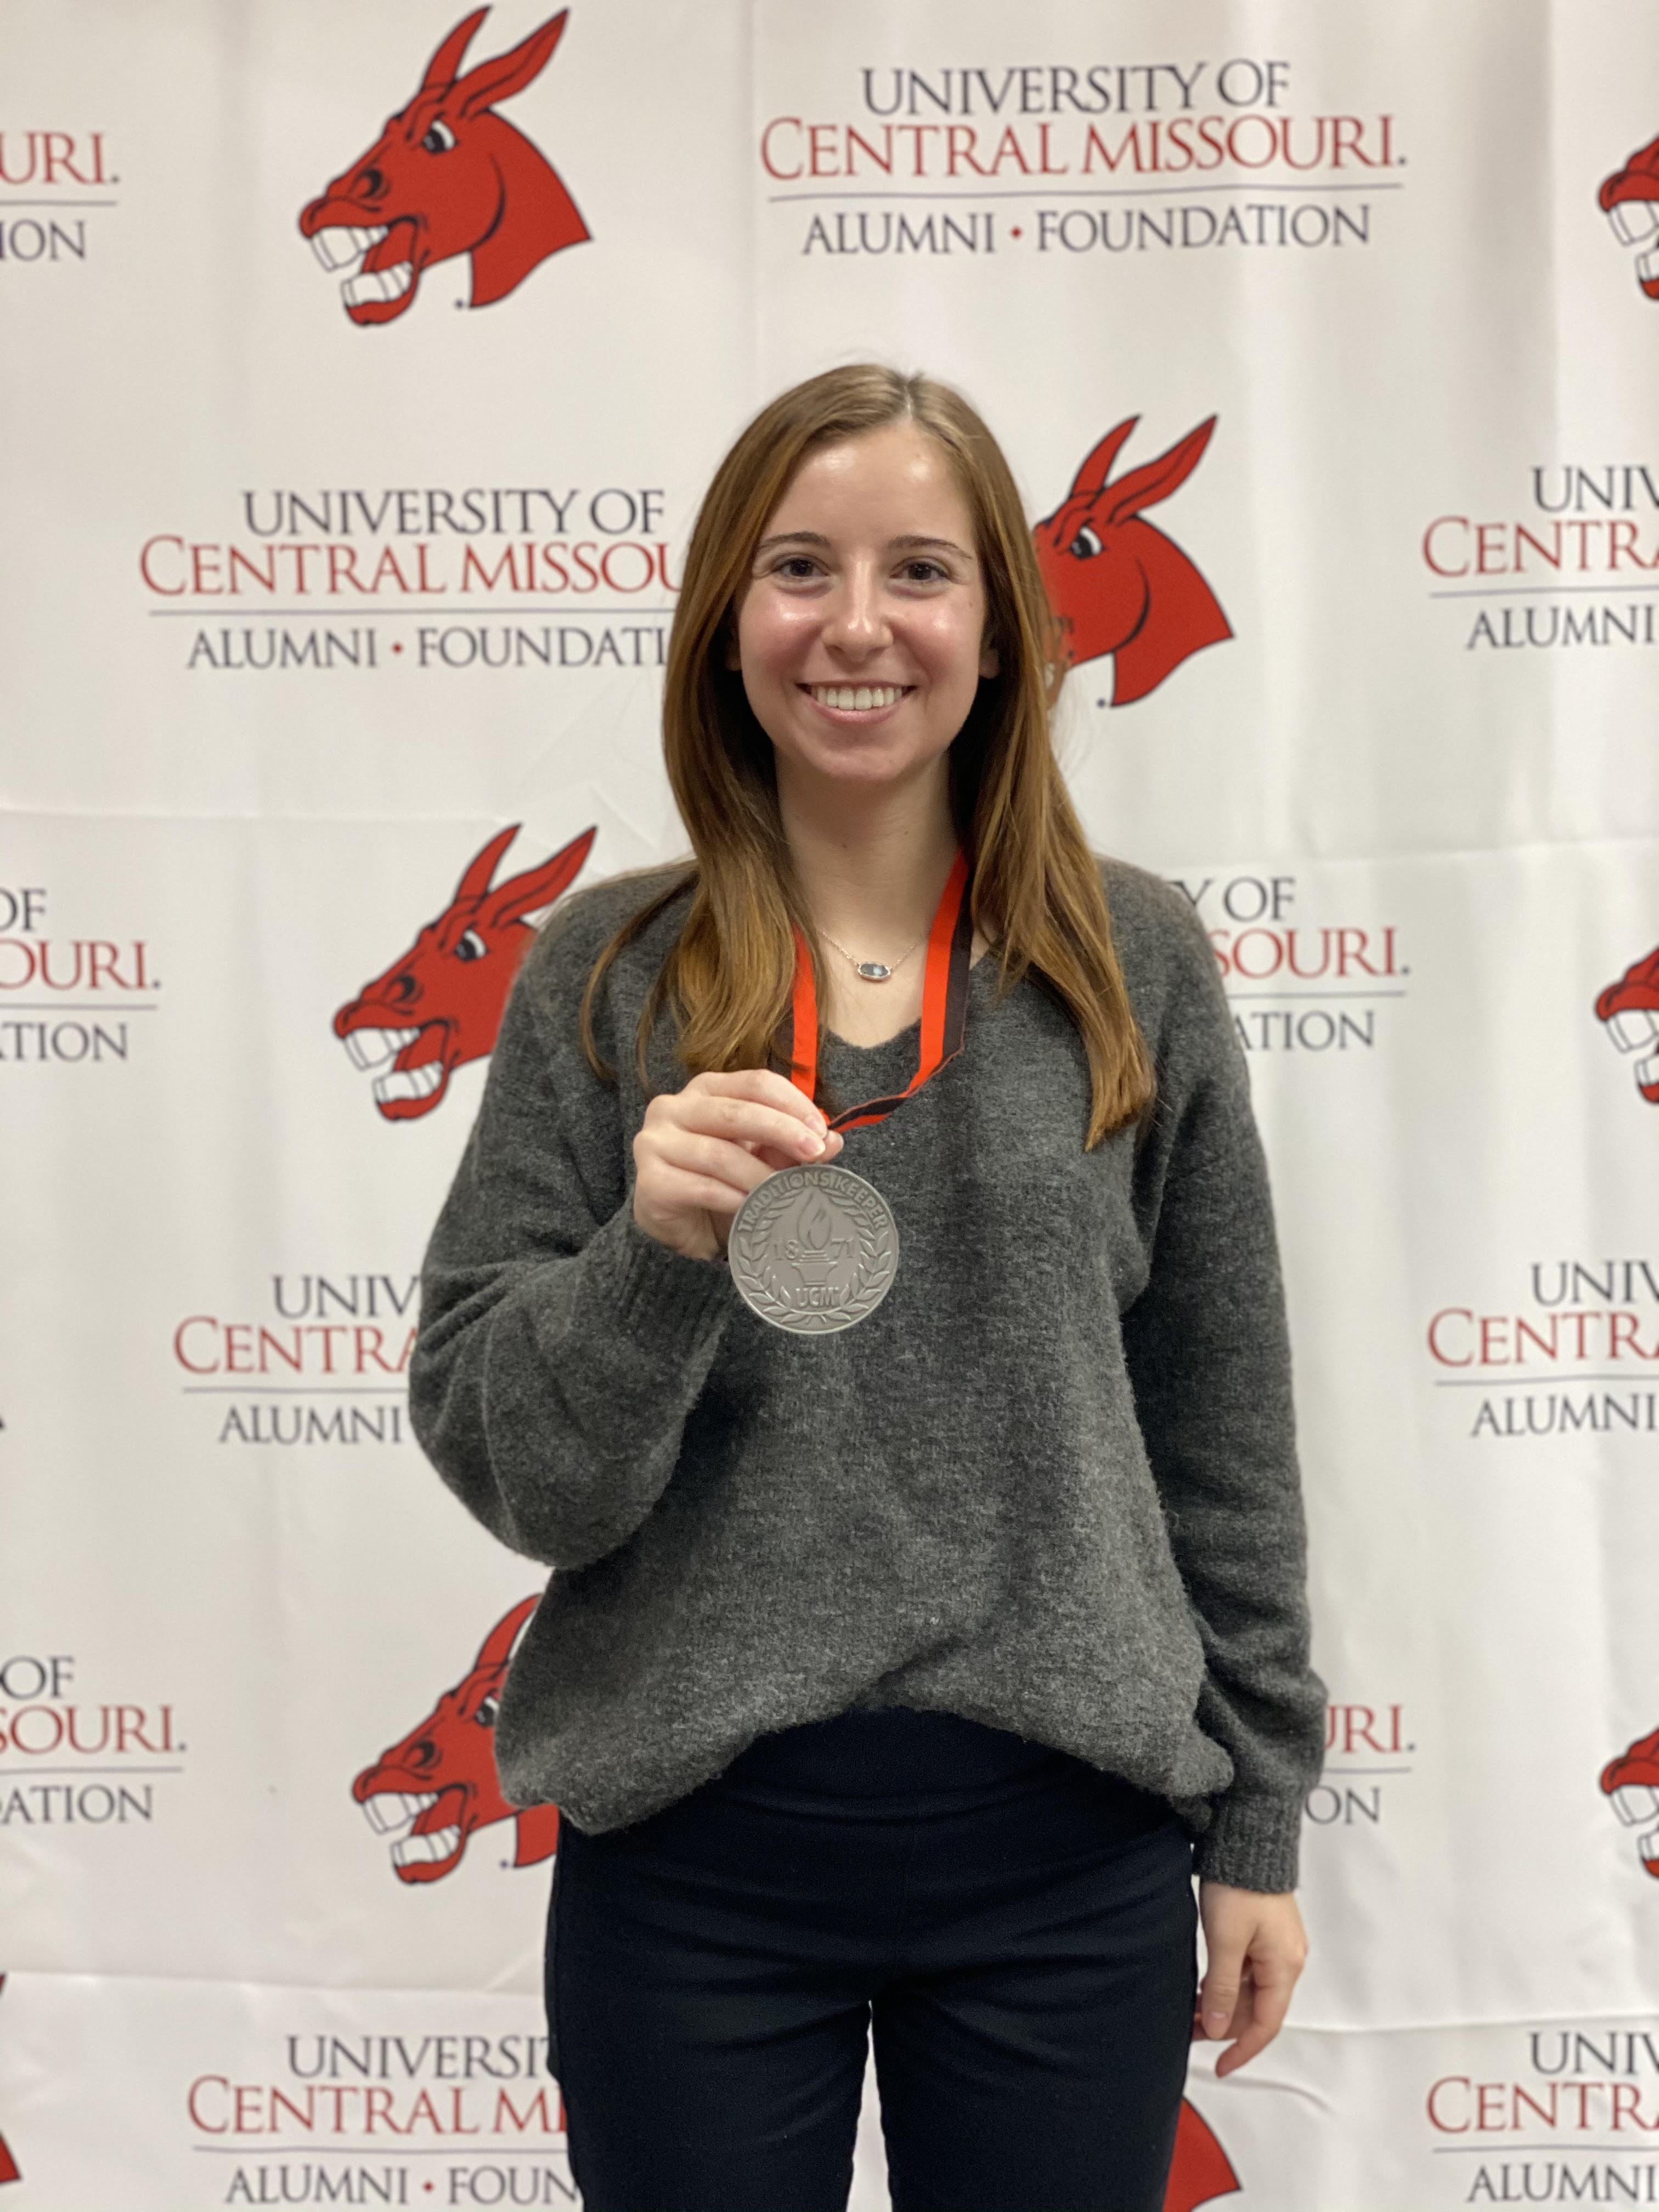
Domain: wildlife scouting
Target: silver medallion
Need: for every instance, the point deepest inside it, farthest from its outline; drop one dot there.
(813, 1250)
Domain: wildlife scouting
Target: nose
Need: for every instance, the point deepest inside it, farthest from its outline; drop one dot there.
(856, 624)
(369, 185)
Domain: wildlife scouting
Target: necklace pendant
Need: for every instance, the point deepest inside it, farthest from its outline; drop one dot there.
(872, 970)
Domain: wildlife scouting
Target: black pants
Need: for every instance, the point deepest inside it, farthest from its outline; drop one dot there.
(1019, 1928)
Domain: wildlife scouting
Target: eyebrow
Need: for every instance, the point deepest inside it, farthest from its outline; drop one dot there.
(910, 543)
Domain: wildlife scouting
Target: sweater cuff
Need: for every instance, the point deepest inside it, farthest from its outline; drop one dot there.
(667, 1304)
(1252, 1844)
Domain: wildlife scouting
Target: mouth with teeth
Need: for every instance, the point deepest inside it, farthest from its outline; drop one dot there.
(856, 698)
(416, 1064)
(1630, 1008)
(425, 1827)
(1631, 203)
(1630, 1782)
(1635, 1802)
(379, 263)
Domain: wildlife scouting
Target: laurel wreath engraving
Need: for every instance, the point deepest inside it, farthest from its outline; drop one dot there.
(747, 1247)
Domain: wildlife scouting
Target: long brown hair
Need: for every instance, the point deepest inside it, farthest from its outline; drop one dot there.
(1036, 890)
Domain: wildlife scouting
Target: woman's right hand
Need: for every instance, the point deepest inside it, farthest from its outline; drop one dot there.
(701, 1151)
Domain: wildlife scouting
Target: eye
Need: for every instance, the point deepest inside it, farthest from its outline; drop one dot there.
(924, 571)
(469, 945)
(439, 138)
(1085, 544)
(488, 1709)
(797, 567)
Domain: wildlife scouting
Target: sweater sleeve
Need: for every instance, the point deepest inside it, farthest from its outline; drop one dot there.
(1208, 1355)
(560, 1348)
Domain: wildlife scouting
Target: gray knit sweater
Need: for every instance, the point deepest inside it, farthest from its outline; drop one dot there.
(1049, 1484)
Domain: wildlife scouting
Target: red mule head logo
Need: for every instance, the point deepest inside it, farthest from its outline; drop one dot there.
(1630, 200)
(440, 1004)
(1632, 1782)
(447, 176)
(1630, 1008)
(1118, 585)
(430, 1792)
(1201, 2170)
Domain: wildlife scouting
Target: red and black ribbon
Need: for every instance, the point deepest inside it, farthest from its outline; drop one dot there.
(943, 1007)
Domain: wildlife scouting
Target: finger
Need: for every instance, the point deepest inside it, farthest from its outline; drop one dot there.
(1218, 1998)
(776, 1158)
(764, 1086)
(741, 1121)
(1267, 2000)
(698, 1194)
(731, 1169)
(724, 1200)
(1253, 2031)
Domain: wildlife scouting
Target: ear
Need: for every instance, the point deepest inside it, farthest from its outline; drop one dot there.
(990, 660)
(1097, 463)
(496, 1647)
(539, 887)
(507, 73)
(475, 882)
(440, 69)
(1144, 487)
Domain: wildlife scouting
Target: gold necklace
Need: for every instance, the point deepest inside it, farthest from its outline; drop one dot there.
(872, 971)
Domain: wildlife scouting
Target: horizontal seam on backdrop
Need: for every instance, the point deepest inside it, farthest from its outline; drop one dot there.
(1610, 2017)
(1603, 2017)
(253, 1990)
(1254, 856)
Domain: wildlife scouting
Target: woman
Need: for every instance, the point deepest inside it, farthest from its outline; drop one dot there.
(886, 1673)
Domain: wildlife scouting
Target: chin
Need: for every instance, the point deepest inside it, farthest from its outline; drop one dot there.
(873, 776)
(852, 760)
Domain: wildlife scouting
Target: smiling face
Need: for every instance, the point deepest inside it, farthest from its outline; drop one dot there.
(860, 634)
